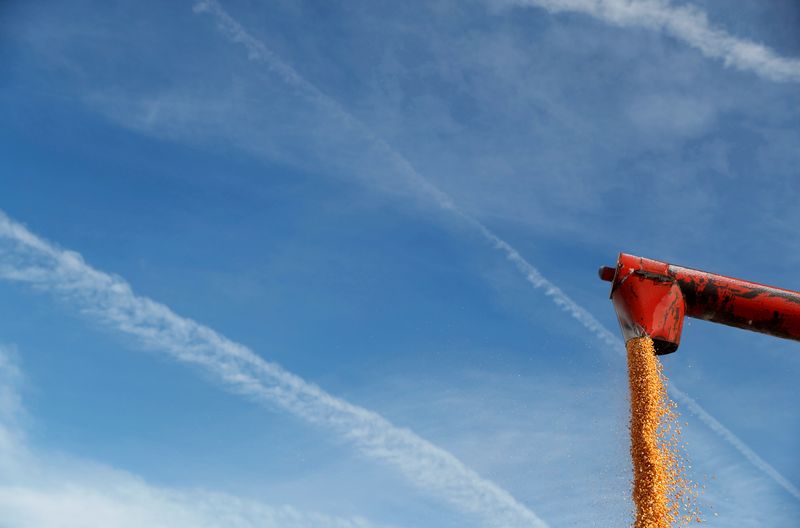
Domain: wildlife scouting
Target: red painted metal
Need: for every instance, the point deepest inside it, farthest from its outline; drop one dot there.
(652, 297)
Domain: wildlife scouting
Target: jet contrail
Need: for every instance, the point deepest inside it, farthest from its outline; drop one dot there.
(256, 50)
(25, 257)
(687, 23)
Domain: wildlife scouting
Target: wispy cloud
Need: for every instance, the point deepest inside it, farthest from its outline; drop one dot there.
(687, 23)
(123, 501)
(25, 257)
(45, 491)
(257, 51)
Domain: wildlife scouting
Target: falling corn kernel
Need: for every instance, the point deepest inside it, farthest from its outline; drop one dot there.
(662, 494)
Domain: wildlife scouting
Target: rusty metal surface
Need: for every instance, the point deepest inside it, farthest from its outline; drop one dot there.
(739, 303)
(651, 297)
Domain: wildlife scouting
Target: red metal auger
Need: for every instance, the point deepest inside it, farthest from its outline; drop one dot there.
(652, 297)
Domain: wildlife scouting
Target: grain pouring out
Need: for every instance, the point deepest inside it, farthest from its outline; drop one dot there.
(651, 299)
(662, 493)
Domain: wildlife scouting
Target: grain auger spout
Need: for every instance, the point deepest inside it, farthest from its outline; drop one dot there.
(651, 298)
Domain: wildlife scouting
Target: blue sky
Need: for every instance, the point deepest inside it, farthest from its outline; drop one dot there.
(393, 202)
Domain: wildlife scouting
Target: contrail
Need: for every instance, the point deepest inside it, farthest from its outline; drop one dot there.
(25, 257)
(687, 23)
(256, 50)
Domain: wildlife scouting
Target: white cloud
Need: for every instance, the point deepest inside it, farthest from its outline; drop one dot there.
(27, 258)
(39, 490)
(687, 23)
(120, 500)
